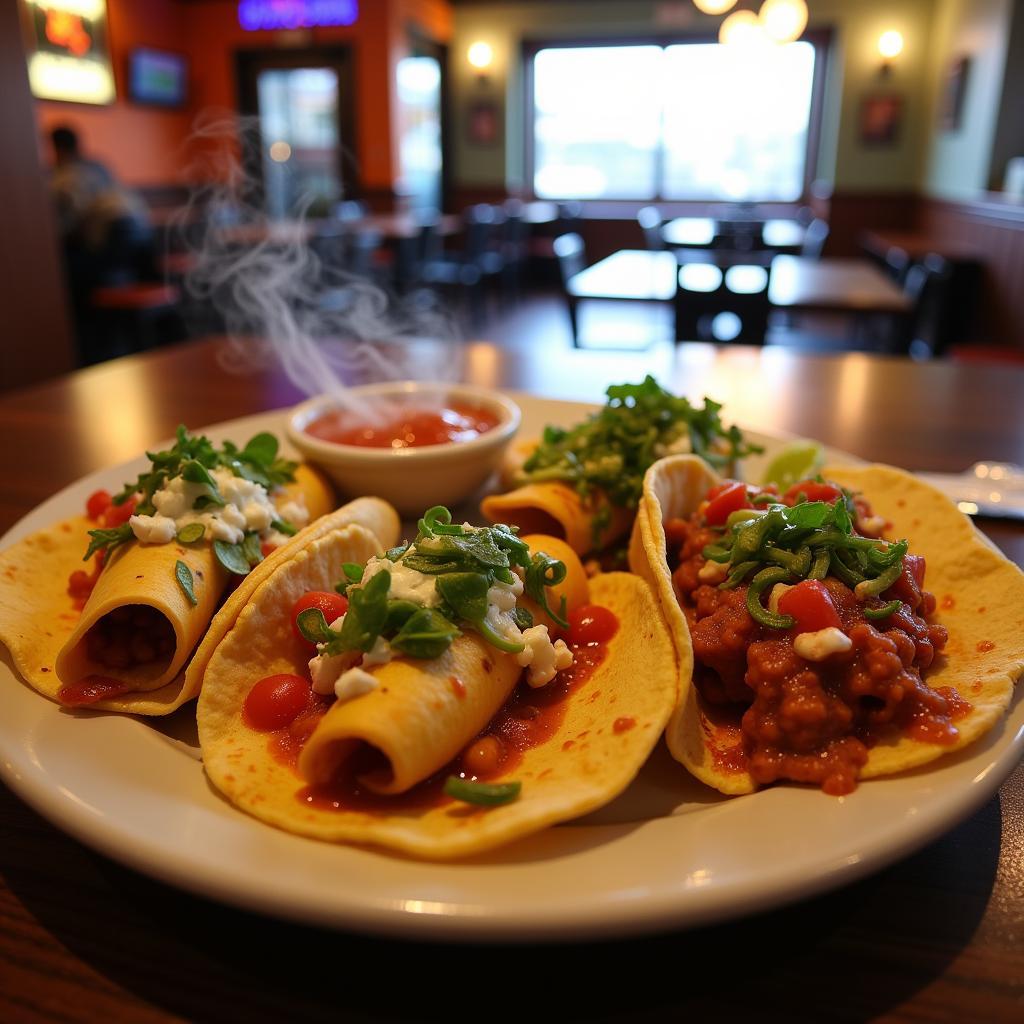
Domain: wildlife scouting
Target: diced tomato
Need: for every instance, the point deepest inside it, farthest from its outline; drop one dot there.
(115, 515)
(813, 490)
(266, 548)
(908, 587)
(591, 624)
(331, 604)
(97, 504)
(730, 499)
(810, 603)
(719, 488)
(275, 702)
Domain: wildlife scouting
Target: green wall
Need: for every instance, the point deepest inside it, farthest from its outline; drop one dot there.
(853, 73)
(959, 161)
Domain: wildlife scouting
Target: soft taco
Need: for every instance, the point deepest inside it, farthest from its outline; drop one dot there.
(583, 484)
(429, 710)
(815, 652)
(124, 636)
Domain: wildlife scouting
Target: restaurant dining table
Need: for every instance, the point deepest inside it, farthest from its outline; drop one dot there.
(800, 284)
(777, 233)
(934, 936)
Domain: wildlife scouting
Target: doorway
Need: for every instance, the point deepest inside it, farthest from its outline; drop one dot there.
(302, 148)
(421, 125)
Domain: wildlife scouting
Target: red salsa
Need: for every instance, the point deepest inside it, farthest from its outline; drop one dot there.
(412, 427)
(811, 720)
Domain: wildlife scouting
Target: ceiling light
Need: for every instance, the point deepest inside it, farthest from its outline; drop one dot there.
(714, 6)
(741, 28)
(783, 20)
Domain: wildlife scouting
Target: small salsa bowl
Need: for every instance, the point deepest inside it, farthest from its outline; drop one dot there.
(411, 478)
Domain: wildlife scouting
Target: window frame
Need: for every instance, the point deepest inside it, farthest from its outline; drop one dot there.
(820, 39)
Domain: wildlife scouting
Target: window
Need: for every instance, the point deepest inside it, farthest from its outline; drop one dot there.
(688, 121)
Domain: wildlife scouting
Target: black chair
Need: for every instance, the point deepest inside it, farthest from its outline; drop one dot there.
(814, 239)
(650, 220)
(710, 298)
(927, 286)
(572, 258)
(514, 246)
(570, 218)
(738, 235)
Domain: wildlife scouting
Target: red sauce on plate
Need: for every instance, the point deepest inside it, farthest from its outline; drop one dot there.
(528, 718)
(414, 427)
(90, 689)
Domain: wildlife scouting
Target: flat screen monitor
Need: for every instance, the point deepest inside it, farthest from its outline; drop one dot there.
(157, 77)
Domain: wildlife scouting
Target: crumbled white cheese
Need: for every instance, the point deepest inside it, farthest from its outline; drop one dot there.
(819, 645)
(871, 526)
(862, 590)
(325, 669)
(503, 624)
(713, 572)
(503, 595)
(776, 595)
(247, 507)
(542, 657)
(153, 529)
(406, 584)
(294, 511)
(354, 683)
(379, 654)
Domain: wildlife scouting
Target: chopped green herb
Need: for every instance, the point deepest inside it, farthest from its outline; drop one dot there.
(251, 550)
(231, 557)
(194, 458)
(108, 539)
(483, 794)
(191, 533)
(610, 452)
(283, 526)
(184, 576)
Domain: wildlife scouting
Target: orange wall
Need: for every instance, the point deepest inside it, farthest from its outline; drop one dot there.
(141, 145)
(214, 35)
(146, 145)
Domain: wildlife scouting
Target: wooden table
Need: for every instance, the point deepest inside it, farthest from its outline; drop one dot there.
(935, 938)
(699, 232)
(801, 284)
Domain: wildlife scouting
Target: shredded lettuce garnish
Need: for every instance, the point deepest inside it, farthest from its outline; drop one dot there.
(193, 457)
(466, 562)
(610, 451)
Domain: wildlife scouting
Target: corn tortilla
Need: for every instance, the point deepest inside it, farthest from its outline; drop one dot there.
(979, 593)
(560, 779)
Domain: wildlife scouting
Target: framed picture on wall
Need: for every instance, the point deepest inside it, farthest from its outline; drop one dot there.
(483, 123)
(881, 119)
(67, 49)
(951, 107)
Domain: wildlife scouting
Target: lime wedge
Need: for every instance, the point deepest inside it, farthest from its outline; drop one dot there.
(794, 461)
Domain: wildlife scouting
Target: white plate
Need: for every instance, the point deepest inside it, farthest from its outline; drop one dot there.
(668, 853)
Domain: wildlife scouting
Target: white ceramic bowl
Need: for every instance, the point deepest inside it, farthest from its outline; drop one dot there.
(412, 479)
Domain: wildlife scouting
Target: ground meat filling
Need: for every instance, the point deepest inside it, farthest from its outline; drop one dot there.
(812, 721)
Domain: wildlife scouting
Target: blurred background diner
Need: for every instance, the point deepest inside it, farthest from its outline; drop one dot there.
(826, 175)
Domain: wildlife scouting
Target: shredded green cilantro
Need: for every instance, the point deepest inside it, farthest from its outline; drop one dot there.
(466, 562)
(610, 451)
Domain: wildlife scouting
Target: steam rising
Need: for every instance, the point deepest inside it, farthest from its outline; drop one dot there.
(279, 301)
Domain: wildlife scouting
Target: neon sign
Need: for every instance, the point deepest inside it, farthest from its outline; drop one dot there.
(254, 15)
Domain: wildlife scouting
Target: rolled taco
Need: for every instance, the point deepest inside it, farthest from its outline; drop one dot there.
(140, 597)
(808, 646)
(448, 753)
(583, 484)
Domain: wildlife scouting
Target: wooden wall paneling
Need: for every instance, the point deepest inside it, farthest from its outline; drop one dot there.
(35, 336)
